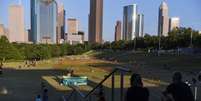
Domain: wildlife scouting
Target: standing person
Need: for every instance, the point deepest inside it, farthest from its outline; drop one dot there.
(137, 92)
(178, 90)
(45, 95)
(38, 98)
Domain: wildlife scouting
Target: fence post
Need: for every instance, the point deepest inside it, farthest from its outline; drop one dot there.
(112, 92)
(122, 86)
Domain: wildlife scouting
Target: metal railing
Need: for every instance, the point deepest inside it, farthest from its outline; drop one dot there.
(87, 97)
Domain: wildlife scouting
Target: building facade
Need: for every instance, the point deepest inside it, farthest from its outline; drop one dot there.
(3, 31)
(95, 21)
(61, 24)
(163, 20)
(72, 26)
(74, 36)
(174, 22)
(140, 25)
(44, 21)
(129, 22)
(74, 39)
(118, 31)
(16, 25)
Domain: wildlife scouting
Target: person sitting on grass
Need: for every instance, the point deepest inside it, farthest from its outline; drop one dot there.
(178, 90)
(137, 92)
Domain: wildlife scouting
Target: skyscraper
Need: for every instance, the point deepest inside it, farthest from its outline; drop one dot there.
(140, 25)
(174, 23)
(60, 23)
(129, 22)
(73, 36)
(163, 20)
(44, 21)
(72, 26)
(96, 21)
(16, 25)
(3, 31)
(118, 31)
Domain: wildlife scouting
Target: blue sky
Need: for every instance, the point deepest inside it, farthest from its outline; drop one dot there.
(189, 12)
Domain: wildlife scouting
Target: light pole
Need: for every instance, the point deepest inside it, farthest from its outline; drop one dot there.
(159, 44)
(135, 43)
(191, 43)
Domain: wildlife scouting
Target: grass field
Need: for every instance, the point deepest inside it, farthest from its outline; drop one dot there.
(95, 65)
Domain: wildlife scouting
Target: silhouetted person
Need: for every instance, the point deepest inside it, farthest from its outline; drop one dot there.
(178, 90)
(45, 95)
(137, 92)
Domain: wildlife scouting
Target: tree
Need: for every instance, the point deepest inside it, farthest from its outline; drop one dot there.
(7, 50)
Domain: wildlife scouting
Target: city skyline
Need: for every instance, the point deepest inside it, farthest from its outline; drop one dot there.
(191, 19)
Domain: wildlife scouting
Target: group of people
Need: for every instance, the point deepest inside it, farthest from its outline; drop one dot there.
(176, 91)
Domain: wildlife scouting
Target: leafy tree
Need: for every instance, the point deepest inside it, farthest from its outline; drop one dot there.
(7, 50)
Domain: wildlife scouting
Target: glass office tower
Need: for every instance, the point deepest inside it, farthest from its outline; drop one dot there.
(43, 21)
(130, 22)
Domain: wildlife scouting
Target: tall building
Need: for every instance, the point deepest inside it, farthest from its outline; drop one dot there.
(60, 24)
(74, 36)
(96, 21)
(72, 26)
(118, 31)
(3, 31)
(16, 25)
(174, 22)
(44, 21)
(130, 22)
(140, 25)
(163, 20)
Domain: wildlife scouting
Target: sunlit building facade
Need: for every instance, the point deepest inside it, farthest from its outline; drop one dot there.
(44, 21)
(163, 20)
(16, 24)
(61, 24)
(174, 22)
(96, 21)
(72, 26)
(3, 31)
(118, 31)
(140, 25)
(130, 22)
